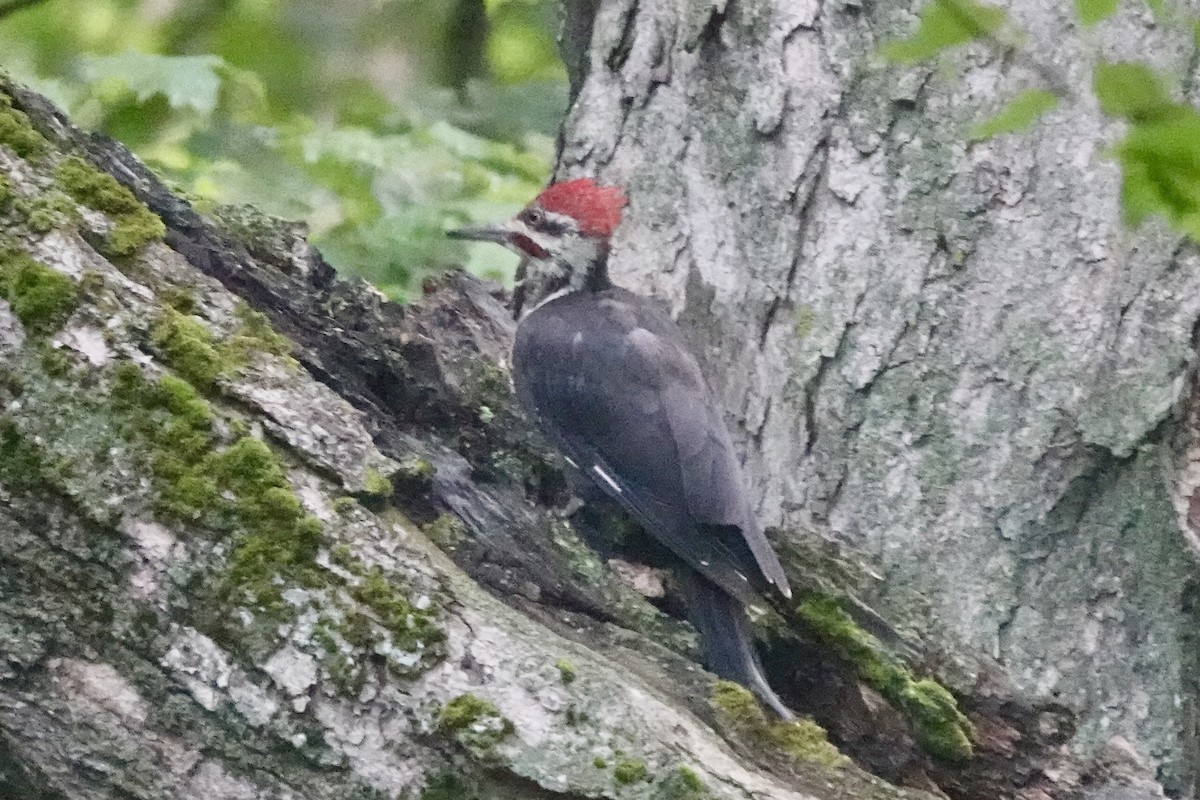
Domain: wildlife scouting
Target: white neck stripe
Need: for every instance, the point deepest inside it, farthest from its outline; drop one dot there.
(552, 296)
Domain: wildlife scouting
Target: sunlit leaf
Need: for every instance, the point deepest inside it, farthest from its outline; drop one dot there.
(1018, 114)
(185, 81)
(944, 24)
(1092, 11)
(1130, 90)
(1161, 170)
(519, 52)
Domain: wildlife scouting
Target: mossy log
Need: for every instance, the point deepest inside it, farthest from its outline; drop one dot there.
(266, 535)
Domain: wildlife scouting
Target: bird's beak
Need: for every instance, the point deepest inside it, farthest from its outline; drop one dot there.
(499, 234)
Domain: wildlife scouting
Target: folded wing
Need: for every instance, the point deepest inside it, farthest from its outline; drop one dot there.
(610, 380)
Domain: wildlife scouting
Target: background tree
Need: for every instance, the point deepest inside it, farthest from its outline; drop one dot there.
(946, 355)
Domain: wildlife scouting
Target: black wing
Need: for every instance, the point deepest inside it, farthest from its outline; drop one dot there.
(608, 378)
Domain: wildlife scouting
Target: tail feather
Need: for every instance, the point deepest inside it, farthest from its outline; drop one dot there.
(728, 640)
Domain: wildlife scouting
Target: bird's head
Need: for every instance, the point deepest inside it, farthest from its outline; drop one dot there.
(562, 238)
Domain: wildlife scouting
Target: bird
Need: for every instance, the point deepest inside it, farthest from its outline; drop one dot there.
(607, 376)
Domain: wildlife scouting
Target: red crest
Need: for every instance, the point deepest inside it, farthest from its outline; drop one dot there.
(596, 208)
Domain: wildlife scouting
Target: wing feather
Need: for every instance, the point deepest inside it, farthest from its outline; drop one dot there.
(613, 385)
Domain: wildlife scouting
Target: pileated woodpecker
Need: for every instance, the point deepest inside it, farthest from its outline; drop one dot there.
(607, 377)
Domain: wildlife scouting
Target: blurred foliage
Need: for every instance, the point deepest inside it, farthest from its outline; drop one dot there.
(378, 122)
(1018, 114)
(944, 24)
(1160, 151)
(1092, 11)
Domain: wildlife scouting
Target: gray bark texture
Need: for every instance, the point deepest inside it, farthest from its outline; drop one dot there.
(948, 358)
(265, 535)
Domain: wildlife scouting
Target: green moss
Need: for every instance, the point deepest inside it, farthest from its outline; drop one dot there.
(240, 491)
(190, 410)
(255, 333)
(629, 770)
(41, 298)
(56, 362)
(133, 224)
(944, 731)
(806, 740)
(736, 704)
(349, 638)
(599, 763)
(21, 464)
(690, 779)
(188, 347)
(566, 670)
(47, 212)
(346, 671)
(463, 711)
(356, 630)
(5, 191)
(446, 531)
(180, 298)
(270, 557)
(474, 723)
(799, 740)
(342, 555)
(377, 485)
(412, 630)
(344, 505)
(683, 784)
(17, 133)
(417, 469)
(240, 494)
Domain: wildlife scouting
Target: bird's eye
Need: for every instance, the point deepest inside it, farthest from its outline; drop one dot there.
(535, 217)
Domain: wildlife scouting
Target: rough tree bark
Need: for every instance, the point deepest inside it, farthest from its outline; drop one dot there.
(948, 358)
(313, 554)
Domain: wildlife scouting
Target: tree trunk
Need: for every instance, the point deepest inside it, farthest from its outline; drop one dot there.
(946, 358)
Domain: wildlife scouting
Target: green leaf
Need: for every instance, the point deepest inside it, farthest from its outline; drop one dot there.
(1129, 90)
(1161, 166)
(185, 81)
(1092, 11)
(1139, 197)
(1018, 114)
(944, 24)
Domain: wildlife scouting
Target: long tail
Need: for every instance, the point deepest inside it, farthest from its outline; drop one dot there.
(727, 639)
